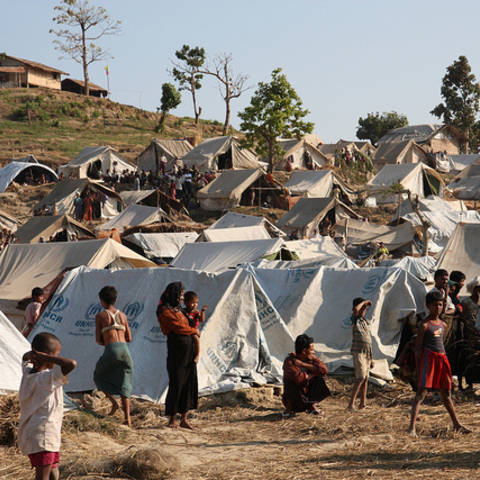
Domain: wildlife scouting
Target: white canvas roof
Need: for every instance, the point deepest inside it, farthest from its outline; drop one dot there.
(64, 193)
(110, 158)
(296, 150)
(357, 232)
(234, 234)
(134, 215)
(472, 170)
(11, 171)
(412, 177)
(460, 162)
(225, 192)
(319, 261)
(422, 267)
(462, 251)
(13, 346)
(25, 266)
(232, 219)
(247, 334)
(310, 249)
(174, 150)
(7, 221)
(204, 156)
(218, 257)
(161, 245)
(467, 188)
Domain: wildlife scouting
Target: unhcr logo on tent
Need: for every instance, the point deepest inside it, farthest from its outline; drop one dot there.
(60, 304)
(374, 282)
(93, 310)
(133, 310)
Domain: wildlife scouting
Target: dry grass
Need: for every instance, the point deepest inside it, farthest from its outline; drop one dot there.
(238, 435)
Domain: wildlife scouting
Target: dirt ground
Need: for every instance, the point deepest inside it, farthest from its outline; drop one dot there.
(238, 435)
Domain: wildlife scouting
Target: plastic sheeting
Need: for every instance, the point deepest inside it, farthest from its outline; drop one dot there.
(252, 320)
(12, 170)
(234, 234)
(161, 245)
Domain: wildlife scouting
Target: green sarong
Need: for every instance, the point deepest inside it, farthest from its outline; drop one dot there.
(114, 370)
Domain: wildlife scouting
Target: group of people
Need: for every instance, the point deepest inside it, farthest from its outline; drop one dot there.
(88, 205)
(7, 237)
(304, 375)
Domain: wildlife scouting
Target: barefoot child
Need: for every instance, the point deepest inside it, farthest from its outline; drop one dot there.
(194, 318)
(361, 351)
(41, 404)
(433, 366)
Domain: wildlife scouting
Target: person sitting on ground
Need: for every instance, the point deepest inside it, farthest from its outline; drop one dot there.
(41, 404)
(303, 379)
(194, 318)
(32, 312)
(113, 373)
(382, 250)
(433, 366)
(361, 351)
(440, 278)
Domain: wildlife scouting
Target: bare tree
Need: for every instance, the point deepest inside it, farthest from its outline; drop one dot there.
(79, 45)
(231, 85)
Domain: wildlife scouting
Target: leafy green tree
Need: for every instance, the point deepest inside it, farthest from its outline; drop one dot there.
(275, 111)
(171, 99)
(186, 71)
(461, 98)
(93, 23)
(375, 126)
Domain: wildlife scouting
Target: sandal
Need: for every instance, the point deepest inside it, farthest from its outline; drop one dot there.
(285, 415)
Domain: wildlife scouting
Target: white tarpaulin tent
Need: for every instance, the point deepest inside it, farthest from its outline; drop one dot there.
(220, 153)
(357, 232)
(109, 158)
(133, 216)
(467, 188)
(311, 248)
(234, 234)
(306, 215)
(173, 149)
(252, 320)
(25, 266)
(217, 257)
(62, 196)
(225, 192)
(300, 151)
(13, 345)
(461, 162)
(462, 251)
(161, 245)
(416, 177)
(318, 261)
(16, 171)
(315, 184)
(422, 267)
(232, 219)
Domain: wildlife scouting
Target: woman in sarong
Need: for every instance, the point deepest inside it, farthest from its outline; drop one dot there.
(114, 370)
(182, 393)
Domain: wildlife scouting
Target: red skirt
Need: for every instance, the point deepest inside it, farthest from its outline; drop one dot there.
(434, 371)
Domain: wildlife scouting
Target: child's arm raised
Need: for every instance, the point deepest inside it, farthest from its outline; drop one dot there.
(361, 307)
(66, 364)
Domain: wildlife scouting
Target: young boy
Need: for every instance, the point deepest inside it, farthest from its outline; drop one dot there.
(194, 317)
(441, 285)
(432, 362)
(41, 404)
(32, 312)
(361, 351)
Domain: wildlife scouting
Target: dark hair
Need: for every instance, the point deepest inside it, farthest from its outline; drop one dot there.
(301, 342)
(190, 296)
(457, 276)
(433, 297)
(357, 301)
(440, 273)
(37, 291)
(108, 294)
(45, 342)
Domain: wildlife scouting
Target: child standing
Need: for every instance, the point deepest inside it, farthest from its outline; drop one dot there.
(194, 318)
(361, 351)
(41, 404)
(32, 312)
(433, 366)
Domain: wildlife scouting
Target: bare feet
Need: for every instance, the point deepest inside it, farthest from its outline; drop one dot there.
(461, 429)
(185, 424)
(114, 409)
(412, 433)
(351, 408)
(128, 423)
(172, 423)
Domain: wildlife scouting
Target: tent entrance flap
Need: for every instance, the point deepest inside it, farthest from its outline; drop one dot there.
(431, 184)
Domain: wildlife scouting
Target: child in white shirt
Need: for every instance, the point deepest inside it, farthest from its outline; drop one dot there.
(41, 404)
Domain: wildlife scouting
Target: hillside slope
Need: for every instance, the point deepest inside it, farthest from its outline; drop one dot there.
(54, 126)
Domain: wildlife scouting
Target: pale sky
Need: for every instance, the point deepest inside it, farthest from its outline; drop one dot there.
(345, 58)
